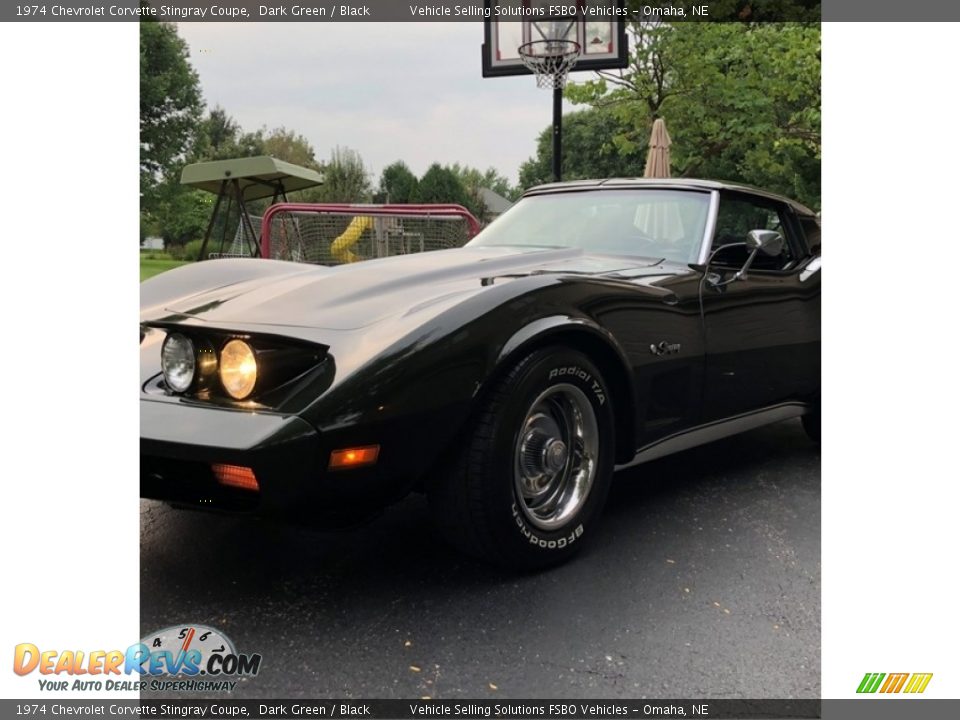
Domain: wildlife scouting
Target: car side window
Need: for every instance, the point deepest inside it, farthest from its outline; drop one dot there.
(736, 217)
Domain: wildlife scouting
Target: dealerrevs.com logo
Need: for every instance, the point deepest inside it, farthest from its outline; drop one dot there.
(894, 683)
(183, 658)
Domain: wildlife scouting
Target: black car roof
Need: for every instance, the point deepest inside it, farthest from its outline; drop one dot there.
(667, 183)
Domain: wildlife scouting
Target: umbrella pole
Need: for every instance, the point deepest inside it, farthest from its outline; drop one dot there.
(557, 134)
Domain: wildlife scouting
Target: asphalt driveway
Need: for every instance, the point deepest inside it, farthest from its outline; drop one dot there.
(704, 582)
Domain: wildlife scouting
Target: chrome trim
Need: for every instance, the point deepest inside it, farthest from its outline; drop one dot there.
(710, 228)
(812, 268)
(666, 184)
(716, 430)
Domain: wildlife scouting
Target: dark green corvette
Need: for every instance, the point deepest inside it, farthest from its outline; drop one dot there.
(594, 325)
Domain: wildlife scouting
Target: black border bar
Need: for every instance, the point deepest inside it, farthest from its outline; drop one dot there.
(459, 10)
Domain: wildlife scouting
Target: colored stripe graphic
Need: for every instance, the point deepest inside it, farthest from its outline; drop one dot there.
(918, 682)
(870, 682)
(894, 682)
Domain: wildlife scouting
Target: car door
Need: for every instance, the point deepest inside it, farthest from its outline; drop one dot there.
(762, 332)
(657, 323)
(659, 329)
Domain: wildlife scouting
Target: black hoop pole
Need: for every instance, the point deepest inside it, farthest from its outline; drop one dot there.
(557, 134)
(550, 62)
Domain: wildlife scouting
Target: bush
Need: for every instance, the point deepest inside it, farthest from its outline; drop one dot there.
(191, 251)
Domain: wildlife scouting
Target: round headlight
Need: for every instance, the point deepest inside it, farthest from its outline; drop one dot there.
(238, 369)
(178, 361)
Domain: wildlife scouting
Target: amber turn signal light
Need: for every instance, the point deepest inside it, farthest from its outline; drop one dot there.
(354, 457)
(236, 476)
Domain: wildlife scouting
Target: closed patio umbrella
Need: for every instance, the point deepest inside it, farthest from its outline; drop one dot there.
(662, 220)
(658, 153)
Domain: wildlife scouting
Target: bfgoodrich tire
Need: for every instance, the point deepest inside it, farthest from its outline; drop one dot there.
(528, 482)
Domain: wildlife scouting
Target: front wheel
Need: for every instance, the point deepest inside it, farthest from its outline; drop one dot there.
(531, 476)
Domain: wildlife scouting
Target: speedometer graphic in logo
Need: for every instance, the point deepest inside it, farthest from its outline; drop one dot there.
(193, 646)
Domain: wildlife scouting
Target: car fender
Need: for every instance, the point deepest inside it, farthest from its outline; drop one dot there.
(601, 346)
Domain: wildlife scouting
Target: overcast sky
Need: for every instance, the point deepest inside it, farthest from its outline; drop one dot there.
(392, 91)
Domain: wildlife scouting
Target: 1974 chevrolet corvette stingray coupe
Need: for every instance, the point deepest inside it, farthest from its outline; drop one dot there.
(595, 325)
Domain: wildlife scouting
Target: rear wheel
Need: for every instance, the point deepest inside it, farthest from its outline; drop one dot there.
(529, 481)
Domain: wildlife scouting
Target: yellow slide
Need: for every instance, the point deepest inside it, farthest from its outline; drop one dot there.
(340, 247)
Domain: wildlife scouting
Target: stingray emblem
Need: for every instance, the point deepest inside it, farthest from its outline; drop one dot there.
(665, 348)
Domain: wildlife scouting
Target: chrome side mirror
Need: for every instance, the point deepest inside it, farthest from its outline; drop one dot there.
(769, 242)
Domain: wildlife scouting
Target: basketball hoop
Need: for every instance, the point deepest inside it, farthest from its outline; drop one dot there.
(550, 60)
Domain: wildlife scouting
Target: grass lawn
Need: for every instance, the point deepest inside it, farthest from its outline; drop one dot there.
(149, 268)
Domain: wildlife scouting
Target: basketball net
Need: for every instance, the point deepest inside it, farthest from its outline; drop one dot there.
(550, 61)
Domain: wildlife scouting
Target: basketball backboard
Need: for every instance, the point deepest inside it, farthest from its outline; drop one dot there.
(598, 26)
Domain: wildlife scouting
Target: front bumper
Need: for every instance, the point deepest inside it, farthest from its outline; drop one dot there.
(179, 443)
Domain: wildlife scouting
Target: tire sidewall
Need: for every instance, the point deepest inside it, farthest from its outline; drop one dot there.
(522, 541)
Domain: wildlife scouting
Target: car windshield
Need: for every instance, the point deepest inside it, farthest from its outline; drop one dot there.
(646, 222)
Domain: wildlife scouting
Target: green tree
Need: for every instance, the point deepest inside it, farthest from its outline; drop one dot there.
(741, 100)
(290, 147)
(441, 185)
(345, 178)
(474, 181)
(180, 214)
(593, 147)
(170, 103)
(397, 184)
(220, 137)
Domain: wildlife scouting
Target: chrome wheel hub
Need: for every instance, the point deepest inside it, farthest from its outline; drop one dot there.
(556, 456)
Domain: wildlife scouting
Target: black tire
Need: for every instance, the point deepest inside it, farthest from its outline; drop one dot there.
(477, 499)
(811, 421)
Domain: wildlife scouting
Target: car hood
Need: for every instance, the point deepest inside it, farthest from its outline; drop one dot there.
(353, 296)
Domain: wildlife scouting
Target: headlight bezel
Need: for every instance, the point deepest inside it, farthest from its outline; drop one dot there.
(291, 371)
